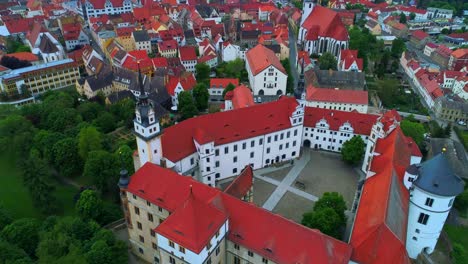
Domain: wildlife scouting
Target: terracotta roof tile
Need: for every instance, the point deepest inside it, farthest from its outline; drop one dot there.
(260, 58)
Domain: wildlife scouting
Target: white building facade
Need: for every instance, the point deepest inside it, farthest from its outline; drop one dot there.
(94, 8)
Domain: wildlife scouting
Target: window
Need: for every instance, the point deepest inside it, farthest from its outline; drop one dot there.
(268, 150)
(217, 233)
(217, 251)
(217, 164)
(288, 134)
(150, 217)
(208, 169)
(294, 143)
(287, 145)
(192, 161)
(208, 261)
(244, 145)
(429, 202)
(264, 260)
(207, 151)
(153, 234)
(415, 238)
(134, 197)
(423, 218)
(217, 175)
(234, 159)
(207, 159)
(208, 246)
(171, 244)
(236, 246)
(236, 260)
(226, 150)
(171, 260)
(295, 132)
(234, 170)
(417, 231)
(137, 210)
(217, 152)
(276, 137)
(260, 142)
(140, 250)
(182, 249)
(148, 203)
(250, 253)
(280, 146)
(451, 202)
(251, 154)
(269, 139)
(235, 148)
(139, 225)
(142, 239)
(252, 143)
(159, 209)
(155, 246)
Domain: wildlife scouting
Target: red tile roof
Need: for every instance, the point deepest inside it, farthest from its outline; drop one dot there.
(361, 123)
(3, 68)
(411, 9)
(459, 35)
(187, 53)
(187, 82)
(432, 45)
(167, 45)
(241, 184)
(379, 232)
(444, 50)
(226, 127)
(260, 58)
(460, 53)
(326, 23)
(160, 62)
(242, 97)
(24, 55)
(125, 31)
(419, 34)
(99, 4)
(337, 96)
(259, 230)
(223, 82)
(348, 57)
(206, 58)
(36, 30)
(138, 54)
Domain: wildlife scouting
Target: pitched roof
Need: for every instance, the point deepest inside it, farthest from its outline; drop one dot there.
(160, 62)
(325, 22)
(187, 81)
(337, 96)
(241, 185)
(167, 45)
(260, 58)
(225, 127)
(223, 82)
(348, 57)
(263, 232)
(141, 35)
(379, 231)
(242, 97)
(436, 176)
(460, 53)
(419, 34)
(24, 55)
(187, 53)
(34, 33)
(361, 123)
(46, 45)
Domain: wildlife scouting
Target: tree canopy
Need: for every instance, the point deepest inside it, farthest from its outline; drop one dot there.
(402, 18)
(23, 233)
(14, 63)
(335, 201)
(202, 73)
(353, 150)
(67, 160)
(201, 96)
(89, 139)
(187, 107)
(89, 206)
(103, 168)
(398, 46)
(228, 88)
(412, 129)
(328, 61)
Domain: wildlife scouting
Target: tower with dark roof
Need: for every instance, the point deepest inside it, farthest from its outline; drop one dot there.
(147, 127)
(432, 193)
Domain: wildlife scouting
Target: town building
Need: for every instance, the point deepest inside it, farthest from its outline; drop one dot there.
(442, 56)
(349, 61)
(322, 30)
(125, 37)
(419, 38)
(100, 83)
(176, 85)
(240, 97)
(168, 48)
(40, 78)
(217, 86)
(95, 8)
(457, 38)
(44, 44)
(231, 52)
(434, 12)
(188, 57)
(142, 40)
(458, 60)
(267, 75)
(336, 99)
(430, 48)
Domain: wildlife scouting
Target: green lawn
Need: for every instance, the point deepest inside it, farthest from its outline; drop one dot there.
(13, 194)
(459, 235)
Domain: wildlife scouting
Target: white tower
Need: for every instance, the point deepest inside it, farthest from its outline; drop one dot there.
(307, 7)
(433, 190)
(147, 128)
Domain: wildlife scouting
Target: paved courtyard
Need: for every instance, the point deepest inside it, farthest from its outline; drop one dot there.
(291, 190)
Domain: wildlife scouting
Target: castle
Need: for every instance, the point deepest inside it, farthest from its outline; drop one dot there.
(400, 211)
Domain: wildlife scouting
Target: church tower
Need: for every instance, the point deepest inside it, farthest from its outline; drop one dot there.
(307, 7)
(147, 128)
(432, 193)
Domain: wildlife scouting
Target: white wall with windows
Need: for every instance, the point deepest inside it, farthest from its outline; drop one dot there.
(349, 107)
(270, 81)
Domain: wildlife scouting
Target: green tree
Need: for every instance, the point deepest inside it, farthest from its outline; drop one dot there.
(412, 16)
(125, 154)
(67, 160)
(202, 73)
(334, 201)
(414, 130)
(290, 79)
(228, 88)
(402, 18)
(103, 168)
(61, 120)
(124, 110)
(89, 206)
(10, 253)
(458, 254)
(398, 46)
(89, 139)
(23, 233)
(106, 122)
(461, 202)
(353, 150)
(90, 110)
(201, 95)
(5, 217)
(327, 61)
(187, 107)
(326, 220)
(448, 130)
(100, 253)
(16, 135)
(44, 141)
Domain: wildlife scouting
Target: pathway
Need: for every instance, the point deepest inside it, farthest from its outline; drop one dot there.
(285, 185)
